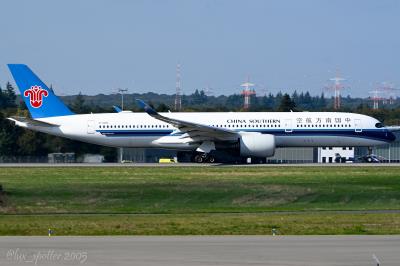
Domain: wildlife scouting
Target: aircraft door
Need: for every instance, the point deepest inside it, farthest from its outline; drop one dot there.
(288, 125)
(358, 125)
(90, 127)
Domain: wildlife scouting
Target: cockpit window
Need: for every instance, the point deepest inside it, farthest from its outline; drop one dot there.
(379, 125)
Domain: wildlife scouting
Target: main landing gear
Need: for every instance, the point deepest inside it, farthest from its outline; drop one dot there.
(204, 158)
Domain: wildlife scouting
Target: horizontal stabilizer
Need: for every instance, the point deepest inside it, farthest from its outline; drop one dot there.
(24, 121)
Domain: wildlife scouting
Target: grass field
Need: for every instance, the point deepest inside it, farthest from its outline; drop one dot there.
(198, 200)
(203, 224)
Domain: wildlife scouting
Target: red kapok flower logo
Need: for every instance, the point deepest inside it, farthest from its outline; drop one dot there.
(35, 94)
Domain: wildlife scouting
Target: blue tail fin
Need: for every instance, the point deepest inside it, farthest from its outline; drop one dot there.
(40, 100)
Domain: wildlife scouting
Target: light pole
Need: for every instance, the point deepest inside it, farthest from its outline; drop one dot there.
(122, 97)
(121, 150)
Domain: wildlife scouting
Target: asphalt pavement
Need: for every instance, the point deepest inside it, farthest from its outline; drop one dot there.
(201, 250)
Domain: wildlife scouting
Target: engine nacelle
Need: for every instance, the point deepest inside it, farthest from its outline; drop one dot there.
(257, 144)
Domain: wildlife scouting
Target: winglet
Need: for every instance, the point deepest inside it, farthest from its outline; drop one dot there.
(146, 107)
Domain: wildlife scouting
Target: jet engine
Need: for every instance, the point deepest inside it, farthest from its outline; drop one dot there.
(257, 144)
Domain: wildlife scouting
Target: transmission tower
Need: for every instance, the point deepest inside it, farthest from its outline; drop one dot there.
(337, 87)
(178, 95)
(390, 92)
(247, 93)
(376, 98)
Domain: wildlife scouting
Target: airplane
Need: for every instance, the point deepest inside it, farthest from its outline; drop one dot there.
(244, 134)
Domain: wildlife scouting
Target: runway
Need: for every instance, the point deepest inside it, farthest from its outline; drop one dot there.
(201, 250)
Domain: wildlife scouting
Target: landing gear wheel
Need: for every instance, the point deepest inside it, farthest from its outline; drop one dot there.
(211, 159)
(199, 158)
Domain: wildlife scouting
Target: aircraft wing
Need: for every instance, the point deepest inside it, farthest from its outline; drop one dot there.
(26, 122)
(195, 131)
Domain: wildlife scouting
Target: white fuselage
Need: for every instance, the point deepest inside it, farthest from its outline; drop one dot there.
(291, 129)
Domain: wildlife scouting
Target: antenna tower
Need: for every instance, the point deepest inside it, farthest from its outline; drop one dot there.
(247, 92)
(337, 87)
(375, 98)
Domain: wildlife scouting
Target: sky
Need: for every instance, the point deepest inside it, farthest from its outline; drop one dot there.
(98, 46)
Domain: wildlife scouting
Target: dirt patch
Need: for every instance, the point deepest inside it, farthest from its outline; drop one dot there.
(272, 195)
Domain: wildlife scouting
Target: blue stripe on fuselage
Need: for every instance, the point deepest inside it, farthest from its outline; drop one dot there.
(376, 134)
(135, 132)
